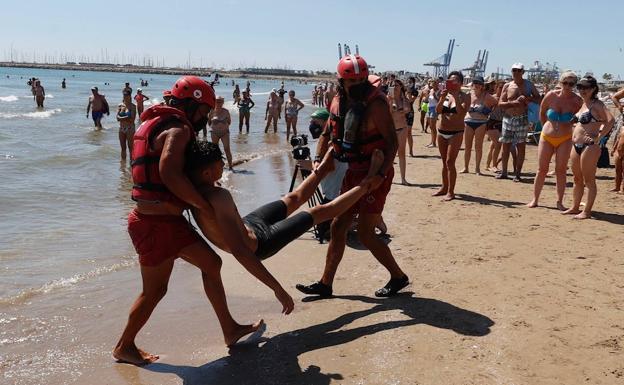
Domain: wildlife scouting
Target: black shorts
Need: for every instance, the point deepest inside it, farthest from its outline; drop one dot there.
(273, 229)
(409, 118)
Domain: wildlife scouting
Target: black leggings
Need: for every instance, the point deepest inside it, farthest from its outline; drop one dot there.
(273, 229)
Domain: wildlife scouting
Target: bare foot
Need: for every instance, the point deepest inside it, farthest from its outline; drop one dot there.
(478, 172)
(615, 189)
(532, 204)
(439, 193)
(560, 206)
(133, 355)
(240, 331)
(405, 183)
(464, 171)
(448, 197)
(571, 211)
(582, 215)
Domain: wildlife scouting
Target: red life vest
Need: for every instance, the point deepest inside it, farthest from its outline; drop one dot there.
(148, 186)
(367, 139)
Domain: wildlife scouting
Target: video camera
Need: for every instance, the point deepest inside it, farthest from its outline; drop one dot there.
(300, 150)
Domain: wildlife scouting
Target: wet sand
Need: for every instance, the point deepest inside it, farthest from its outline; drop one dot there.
(500, 294)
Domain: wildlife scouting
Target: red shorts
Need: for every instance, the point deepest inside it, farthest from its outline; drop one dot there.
(157, 238)
(373, 202)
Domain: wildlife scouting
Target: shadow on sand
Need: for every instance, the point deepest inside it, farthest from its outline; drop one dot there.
(275, 361)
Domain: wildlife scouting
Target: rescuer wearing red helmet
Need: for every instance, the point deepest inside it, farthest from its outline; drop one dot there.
(360, 123)
(158, 230)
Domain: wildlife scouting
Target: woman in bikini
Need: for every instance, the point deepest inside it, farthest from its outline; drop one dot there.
(272, 112)
(452, 108)
(126, 114)
(291, 110)
(398, 103)
(481, 105)
(494, 125)
(557, 117)
(219, 121)
(244, 107)
(594, 122)
(236, 94)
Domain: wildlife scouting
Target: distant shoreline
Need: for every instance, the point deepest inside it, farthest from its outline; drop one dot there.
(167, 71)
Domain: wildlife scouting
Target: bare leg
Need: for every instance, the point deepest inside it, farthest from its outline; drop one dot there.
(479, 136)
(294, 125)
(544, 153)
(443, 147)
(155, 282)
(402, 139)
(521, 147)
(202, 256)
(579, 186)
(288, 123)
(505, 160)
(335, 250)
(247, 115)
(589, 159)
(227, 149)
(619, 170)
(562, 157)
(122, 143)
(241, 119)
(379, 249)
(410, 141)
(469, 134)
(453, 151)
(434, 132)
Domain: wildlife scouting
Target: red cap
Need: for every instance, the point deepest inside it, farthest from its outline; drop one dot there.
(352, 67)
(192, 87)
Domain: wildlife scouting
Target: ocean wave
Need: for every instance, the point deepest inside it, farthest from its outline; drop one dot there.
(29, 293)
(10, 98)
(32, 115)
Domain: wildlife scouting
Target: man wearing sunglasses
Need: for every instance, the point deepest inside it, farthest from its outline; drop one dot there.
(514, 101)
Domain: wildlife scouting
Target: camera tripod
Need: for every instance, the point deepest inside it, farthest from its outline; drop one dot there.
(316, 199)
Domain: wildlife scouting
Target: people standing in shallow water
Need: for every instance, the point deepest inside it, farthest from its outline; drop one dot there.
(272, 112)
(126, 114)
(236, 94)
(98, 106)
(139, 98)
(244, 111)
(594, 122)
(557, 112)
(452, 108)
(219, 121)
(63, 84)
(291, 111)
(39, 93)
(481, 105)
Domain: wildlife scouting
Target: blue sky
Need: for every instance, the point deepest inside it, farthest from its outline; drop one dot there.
(391, 34)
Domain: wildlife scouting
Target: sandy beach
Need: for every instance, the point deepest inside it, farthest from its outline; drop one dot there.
(500, 294)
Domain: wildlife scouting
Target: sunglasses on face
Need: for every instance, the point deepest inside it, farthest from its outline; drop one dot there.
(516, 70)
(569, 84)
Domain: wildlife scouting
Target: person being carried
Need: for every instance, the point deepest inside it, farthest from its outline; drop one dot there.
(266, 230)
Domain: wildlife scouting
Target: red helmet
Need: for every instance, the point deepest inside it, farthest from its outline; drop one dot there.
(192, 87)
(352, 67)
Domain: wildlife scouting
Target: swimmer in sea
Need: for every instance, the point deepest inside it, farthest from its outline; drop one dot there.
(39, 94)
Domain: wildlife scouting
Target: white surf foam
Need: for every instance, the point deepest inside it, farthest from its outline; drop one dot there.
(10, 98)
(25, 295)
(32, 115)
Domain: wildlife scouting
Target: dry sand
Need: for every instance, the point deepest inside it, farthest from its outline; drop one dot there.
(500, 294)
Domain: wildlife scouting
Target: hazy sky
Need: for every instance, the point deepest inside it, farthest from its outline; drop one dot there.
(391, 34)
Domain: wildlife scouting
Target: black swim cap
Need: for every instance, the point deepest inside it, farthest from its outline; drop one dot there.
(201, 154)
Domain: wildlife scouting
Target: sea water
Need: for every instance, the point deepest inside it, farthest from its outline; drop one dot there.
(64, 200)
